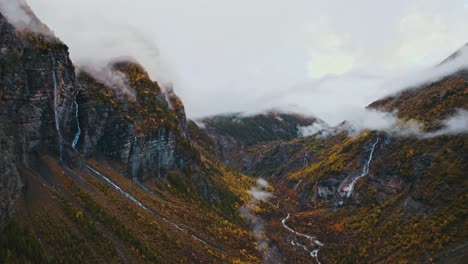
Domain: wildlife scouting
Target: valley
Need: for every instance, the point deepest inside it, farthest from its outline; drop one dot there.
(111, 170)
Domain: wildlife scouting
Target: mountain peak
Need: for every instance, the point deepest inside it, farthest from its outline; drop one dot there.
(462, 50)
(20, 15)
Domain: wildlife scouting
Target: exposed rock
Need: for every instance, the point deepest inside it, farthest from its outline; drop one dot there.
(37, 89)
(147, 133)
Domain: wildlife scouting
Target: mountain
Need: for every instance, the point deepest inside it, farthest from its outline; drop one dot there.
(375, 197)
(234, 136)
(380, 197)
(102, 165)
(92, 174)
(456, 55)
(431, 102)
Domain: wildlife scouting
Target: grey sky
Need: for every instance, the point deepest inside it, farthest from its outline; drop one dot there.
(325, 57)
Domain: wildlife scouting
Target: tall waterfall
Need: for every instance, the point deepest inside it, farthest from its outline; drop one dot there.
(57, 118)
(365, 170)
(134, 158)
(78, 132)
(159, 152)
(306, 159)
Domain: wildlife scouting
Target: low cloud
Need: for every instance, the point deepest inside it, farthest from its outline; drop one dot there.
(20, 15)
(325, 56)
(457, 124)
(454, 125)
(415, 79)
(259, 195)
(263, 183)
(110, 77)
(335, 99)
(389, 122)
(326, 63)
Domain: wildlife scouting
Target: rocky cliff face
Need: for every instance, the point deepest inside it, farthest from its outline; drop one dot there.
(45, 110)
(151, 186)
(37, 90)
(100, 167)
(139, 128)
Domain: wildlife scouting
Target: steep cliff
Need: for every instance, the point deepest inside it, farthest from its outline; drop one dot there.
(138, 128)
(37, 91)
(93, 173)
(103, 166)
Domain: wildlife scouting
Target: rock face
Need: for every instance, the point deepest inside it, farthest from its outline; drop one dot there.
(43, 106)
(141, 130)
(37, 90)
(10, 181)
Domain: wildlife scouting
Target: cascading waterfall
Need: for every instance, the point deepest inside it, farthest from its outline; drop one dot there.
(57, 118)
(313, 253)
(297, 184)
(135, 142)
(159, 153)
(306, 159)
(349, 189)
(78, 132)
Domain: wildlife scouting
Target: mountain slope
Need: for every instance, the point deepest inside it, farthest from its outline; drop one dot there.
(235, 137)
(98, 169)
(431, 102)
(95, 175)
(376, 197)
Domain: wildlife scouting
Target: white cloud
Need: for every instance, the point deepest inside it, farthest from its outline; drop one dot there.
(18, 13)
(457, 123)
(113, 79)
(262, 183)
(230, 56)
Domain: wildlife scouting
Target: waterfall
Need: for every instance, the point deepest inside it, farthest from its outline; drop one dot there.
(306, 159)
(78, 132)
(365, 170)
(57, 118)
(134, 152)
(299, 183)
(313, 253)
(159, 152)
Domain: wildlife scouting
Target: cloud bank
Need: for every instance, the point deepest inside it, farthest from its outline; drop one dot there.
(110, 77)
(326, 58)
(19, 14)
(454, 125)
(260, 194)
(388, 122)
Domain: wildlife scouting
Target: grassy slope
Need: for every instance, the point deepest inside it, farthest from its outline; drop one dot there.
(82, 218)
(411, 206)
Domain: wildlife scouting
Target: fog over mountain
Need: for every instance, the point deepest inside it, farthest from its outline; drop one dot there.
(328, 58)
(305, 131)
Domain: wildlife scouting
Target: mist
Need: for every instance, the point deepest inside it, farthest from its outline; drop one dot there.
(453, 125)
(18, 13)
(324, 58)
(105, 74)
(260, 194)
(456, 124)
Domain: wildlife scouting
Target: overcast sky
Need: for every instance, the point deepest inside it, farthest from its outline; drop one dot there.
(324, 57)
